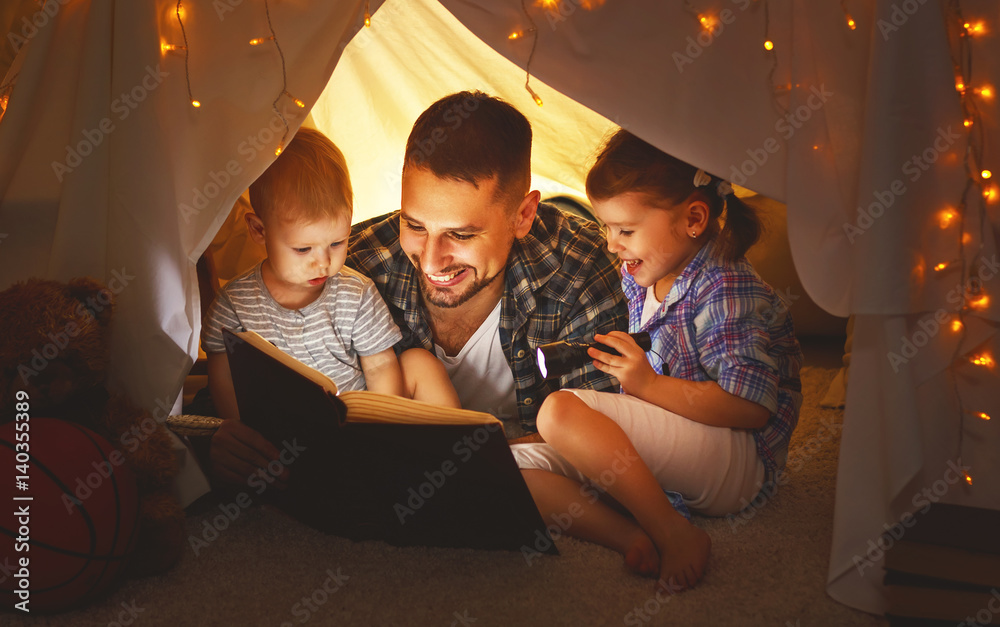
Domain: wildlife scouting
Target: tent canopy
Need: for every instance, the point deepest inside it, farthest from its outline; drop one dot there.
(106, 166)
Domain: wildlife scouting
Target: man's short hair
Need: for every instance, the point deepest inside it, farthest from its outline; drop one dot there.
(473, 137)
(307, 182)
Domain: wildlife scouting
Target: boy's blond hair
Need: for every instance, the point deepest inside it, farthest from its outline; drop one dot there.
(307, 182)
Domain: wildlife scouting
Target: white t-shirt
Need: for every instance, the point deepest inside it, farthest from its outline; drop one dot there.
(482, 376)
(650, 306)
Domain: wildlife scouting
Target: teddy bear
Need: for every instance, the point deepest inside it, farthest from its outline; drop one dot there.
(54, 344)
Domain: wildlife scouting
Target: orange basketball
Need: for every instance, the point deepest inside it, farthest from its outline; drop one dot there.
(73, 518)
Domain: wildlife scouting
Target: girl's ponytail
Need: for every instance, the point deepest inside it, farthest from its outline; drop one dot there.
(741, 231)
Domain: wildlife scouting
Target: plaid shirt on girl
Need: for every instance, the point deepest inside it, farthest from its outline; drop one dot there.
(561, 284)
(722, 322)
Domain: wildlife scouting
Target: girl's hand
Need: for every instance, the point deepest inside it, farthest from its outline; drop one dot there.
(632, 368)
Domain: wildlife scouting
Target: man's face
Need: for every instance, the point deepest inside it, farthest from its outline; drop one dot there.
(457, 237)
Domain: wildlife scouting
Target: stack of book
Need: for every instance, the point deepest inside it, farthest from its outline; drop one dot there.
(945, 569)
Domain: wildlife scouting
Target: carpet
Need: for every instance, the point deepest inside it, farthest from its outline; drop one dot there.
(768, 567)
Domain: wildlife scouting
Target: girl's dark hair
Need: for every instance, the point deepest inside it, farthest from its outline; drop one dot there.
(628, 164)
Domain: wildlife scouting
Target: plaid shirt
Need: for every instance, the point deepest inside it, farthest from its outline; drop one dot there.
(561, 284)
(722, 322)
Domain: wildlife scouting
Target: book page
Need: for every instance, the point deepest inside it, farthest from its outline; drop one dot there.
(364, 406)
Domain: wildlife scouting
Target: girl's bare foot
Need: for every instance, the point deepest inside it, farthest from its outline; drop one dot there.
(641, 556)
(683, 555)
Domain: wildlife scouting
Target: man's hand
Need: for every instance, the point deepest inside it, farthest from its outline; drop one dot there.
(237, 451)
(632, 369)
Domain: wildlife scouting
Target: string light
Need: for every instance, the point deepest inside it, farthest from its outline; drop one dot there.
(968, 478)
(284, 78)
(851, 24)
(941, 266)
(956, 325)
(983, 359)
(368, 15)
(256, 41)
(990, 194)
(986, 174)
(981, 415)
(516, 35)
(980, 302)
(946, 218)
(165, 48)
(297, 102)
(985, 92)
(179, 11)
(768, 45)
(534, 43)
(968, 122)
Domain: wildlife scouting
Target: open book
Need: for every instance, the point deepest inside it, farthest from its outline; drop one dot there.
(374, 466)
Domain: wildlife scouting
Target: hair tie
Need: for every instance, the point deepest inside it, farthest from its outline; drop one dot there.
(722, 188)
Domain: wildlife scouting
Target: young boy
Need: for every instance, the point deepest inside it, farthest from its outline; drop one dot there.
(302, 298)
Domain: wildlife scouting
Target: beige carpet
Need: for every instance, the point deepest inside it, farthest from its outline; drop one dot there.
(766, 569)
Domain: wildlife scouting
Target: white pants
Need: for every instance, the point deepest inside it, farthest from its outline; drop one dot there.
(716, 469)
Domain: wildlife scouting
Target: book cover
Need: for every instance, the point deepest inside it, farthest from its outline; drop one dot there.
(399, 470)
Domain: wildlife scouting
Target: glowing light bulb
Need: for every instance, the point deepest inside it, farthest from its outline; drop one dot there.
(975, 28)
(181, 13)
(277, 151)
(984, 359)
(960, 85)
(980, 302)
(768, 45)
(851, 24)
(981, 415)
(297, 102)
(515, 35)
(956, 325)
(707, 22)
(966, 238)
(941, 266)
(968, 479)
(195, 104)
(990, 194)
(256, 41)
(968, 122)
(165, 48)
(946, 218)
(986, 174)
(985, 91)
(368, 20)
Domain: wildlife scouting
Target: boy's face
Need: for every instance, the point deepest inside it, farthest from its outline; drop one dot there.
(301, 255)
(458, 237)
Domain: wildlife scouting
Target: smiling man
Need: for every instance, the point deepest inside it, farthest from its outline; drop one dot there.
(476, 270)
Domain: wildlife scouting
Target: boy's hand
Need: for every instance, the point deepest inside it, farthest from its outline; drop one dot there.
(238, 451)
(632, 369)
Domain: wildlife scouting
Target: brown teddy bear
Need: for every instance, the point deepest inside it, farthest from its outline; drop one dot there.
(54, 344)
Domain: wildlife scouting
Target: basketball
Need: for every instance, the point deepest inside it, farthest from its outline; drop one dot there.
(68, 521)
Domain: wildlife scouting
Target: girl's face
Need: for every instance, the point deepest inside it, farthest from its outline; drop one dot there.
(653, 238)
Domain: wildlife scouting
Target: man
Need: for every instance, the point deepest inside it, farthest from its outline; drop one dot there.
(474, 269)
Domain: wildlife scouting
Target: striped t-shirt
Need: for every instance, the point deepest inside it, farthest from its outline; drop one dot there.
(348, 320)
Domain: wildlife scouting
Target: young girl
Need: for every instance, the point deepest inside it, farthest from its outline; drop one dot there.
(708, 412)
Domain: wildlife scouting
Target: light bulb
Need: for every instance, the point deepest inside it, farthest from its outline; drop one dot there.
(195, 104)
(768, 45)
